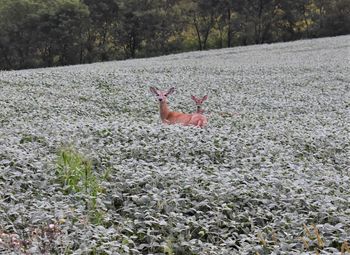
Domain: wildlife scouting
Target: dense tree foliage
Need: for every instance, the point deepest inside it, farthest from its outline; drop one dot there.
(39, 33)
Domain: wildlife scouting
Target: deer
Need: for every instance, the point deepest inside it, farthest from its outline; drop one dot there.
(169, 118)
(199, 102)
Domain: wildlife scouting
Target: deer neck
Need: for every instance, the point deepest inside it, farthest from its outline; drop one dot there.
(164, 110)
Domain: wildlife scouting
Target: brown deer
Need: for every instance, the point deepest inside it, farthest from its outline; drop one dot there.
(169, 117)
(199, 102)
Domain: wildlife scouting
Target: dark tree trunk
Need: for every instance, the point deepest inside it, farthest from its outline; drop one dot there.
(199, 39)
(7, 60)
(229, 29)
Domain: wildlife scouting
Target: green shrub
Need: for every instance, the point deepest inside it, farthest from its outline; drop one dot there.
(75, 174)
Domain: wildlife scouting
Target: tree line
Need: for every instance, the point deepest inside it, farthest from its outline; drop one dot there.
(45, 33)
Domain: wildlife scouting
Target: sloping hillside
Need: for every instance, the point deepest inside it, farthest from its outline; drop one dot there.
(87, 167)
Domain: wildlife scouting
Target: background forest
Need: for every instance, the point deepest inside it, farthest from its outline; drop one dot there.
(44, 33)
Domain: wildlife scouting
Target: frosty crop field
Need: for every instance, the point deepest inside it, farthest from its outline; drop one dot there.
(86, 167)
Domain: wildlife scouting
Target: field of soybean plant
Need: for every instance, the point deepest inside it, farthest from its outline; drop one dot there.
(86, 167)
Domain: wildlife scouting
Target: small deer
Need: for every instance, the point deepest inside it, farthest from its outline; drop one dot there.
(169, 117)
(199, 102)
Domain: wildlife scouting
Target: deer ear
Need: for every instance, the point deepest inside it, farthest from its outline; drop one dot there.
(204, 98)
(194, 98)
(153, 90)
(170, 91)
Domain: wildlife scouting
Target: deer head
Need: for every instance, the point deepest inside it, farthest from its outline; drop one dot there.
(161, 95)
(199, 101)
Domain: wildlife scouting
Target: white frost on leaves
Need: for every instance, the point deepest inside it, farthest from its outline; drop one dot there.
(274, 156)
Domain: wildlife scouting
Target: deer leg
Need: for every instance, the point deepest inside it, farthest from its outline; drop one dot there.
(199, 124)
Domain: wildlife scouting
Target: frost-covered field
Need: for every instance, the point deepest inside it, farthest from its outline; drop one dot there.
(270, 174)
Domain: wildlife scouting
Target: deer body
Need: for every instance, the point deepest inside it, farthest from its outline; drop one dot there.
(169, 117)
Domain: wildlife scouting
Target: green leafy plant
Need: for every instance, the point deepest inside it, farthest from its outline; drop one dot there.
(76, 175)
(243, 185)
